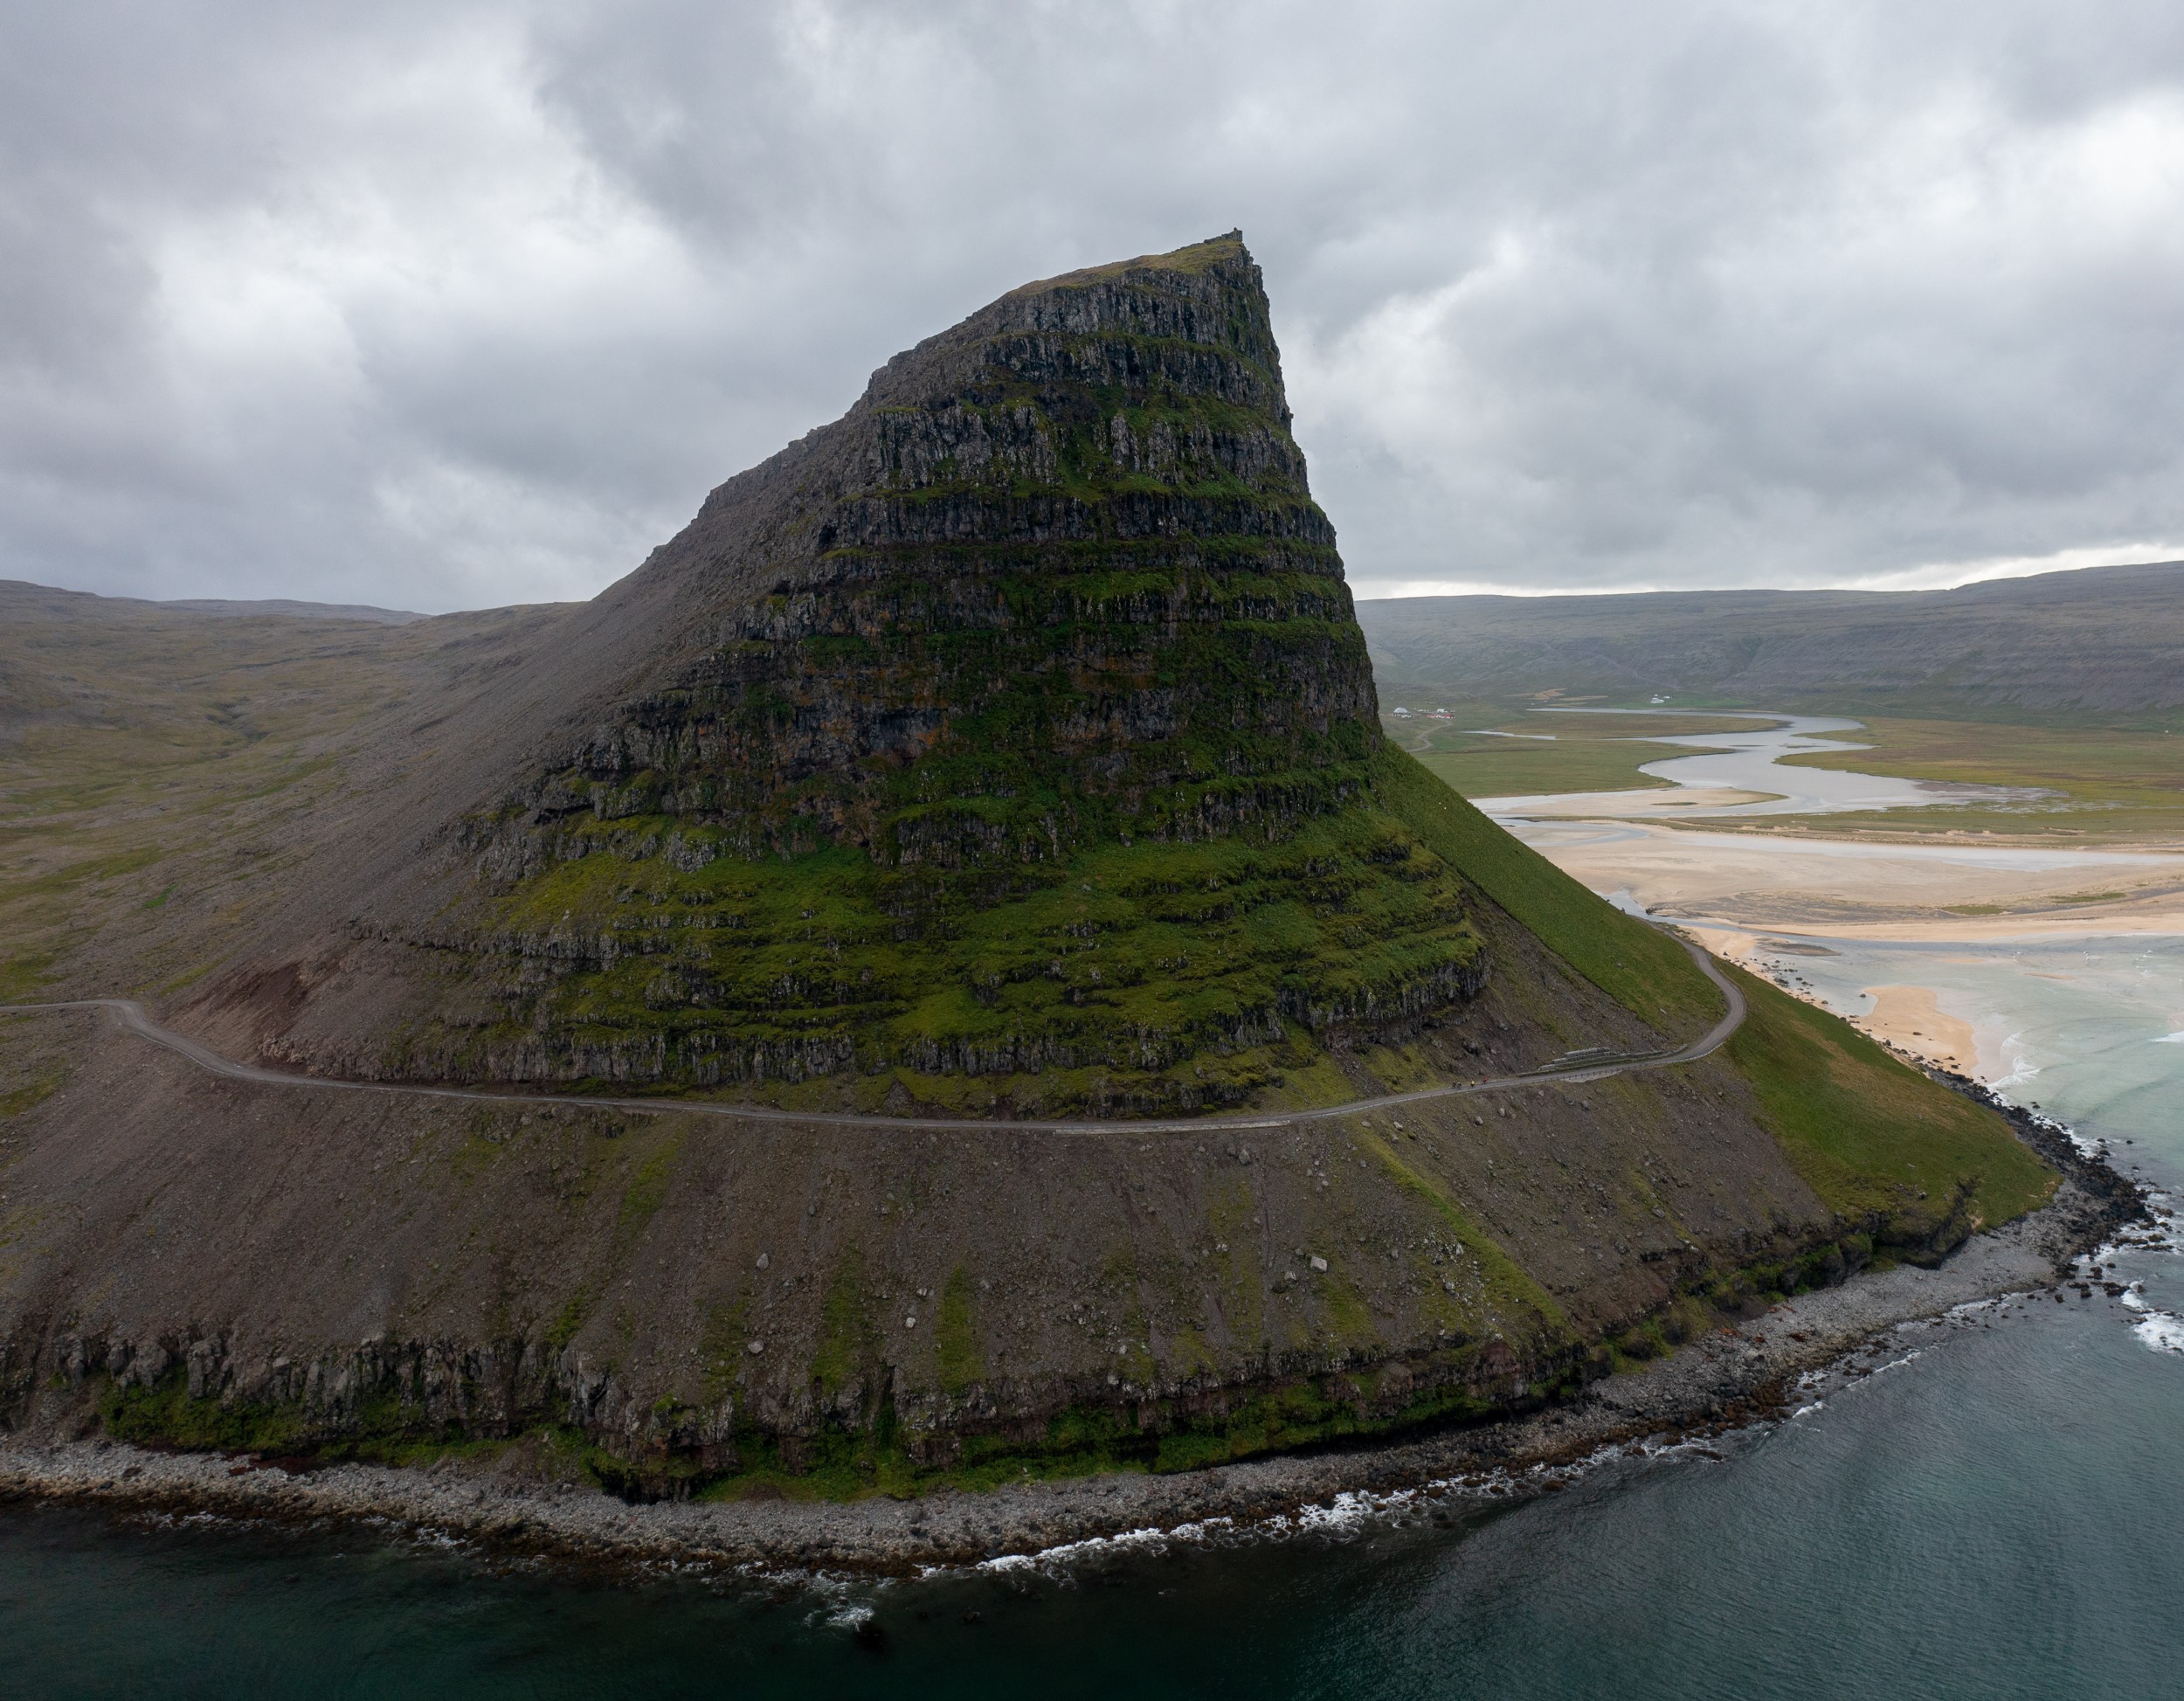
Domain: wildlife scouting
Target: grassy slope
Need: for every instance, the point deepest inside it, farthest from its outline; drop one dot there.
(1638, 967)
(1868, 1134)
(1876, 1139)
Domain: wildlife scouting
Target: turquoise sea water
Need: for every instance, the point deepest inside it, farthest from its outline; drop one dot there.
(2000, 1513)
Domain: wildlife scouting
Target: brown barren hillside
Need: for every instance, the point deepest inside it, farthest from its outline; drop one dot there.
(2096, 646)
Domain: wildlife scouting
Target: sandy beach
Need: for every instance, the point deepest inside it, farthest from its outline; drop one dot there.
(1857, 889)
(1911, 1018)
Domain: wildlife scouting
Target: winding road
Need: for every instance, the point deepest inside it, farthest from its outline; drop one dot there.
(133, 1018)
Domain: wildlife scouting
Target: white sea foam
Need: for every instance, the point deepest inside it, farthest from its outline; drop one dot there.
(2019, 1057)
(1345, 1514)
(2175, 1039)
(2161, 1331)
(844, 1602)
(1063, 1555)
(1691, 1447)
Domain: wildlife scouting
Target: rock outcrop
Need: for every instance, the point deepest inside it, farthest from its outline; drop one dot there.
(1009, 743)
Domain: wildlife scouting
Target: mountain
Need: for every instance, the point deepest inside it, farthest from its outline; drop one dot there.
(389, 617)
(1006, 747)
(2098, 645)
(1009, 743)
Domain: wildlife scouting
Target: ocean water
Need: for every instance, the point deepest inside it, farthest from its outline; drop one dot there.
(1999, 1513)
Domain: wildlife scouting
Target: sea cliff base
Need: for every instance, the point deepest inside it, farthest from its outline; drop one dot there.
(512, 1503)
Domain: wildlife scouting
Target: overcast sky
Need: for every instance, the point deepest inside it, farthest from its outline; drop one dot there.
(446, 305)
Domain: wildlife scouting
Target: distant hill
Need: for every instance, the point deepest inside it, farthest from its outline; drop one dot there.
(385, 617)
(2101, 643)
(24, 599)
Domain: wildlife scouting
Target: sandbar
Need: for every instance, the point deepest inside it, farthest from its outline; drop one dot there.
(1856, 888)
(1911, 1018)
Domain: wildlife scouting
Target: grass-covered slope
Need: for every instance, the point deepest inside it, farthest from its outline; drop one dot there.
(1129, 975)
(1892, 1152)
(1638, 967)
(1877, 1140)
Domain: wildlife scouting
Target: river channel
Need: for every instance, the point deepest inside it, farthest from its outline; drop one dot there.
(1739, 773)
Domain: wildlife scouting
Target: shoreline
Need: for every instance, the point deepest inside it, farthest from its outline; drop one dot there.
(1733, 1376)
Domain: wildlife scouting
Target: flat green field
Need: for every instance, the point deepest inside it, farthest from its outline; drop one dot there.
(2098, 782)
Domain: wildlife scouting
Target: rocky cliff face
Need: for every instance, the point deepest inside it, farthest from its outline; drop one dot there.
(1010, 741)
(1061, 582)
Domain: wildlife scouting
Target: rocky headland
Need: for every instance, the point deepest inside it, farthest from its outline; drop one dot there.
(1004, 752)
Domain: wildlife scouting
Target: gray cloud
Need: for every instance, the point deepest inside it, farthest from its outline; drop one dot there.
(446, 305)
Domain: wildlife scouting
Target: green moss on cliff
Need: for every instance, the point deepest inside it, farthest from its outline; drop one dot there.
(849, 1338)
(1046, 758)
(957, 1352)
(1141, 972)
(1508, 1290)
(29, 1095)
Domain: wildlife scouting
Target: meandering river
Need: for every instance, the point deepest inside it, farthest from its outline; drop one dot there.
(2000, 1513)
(1741, 774)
